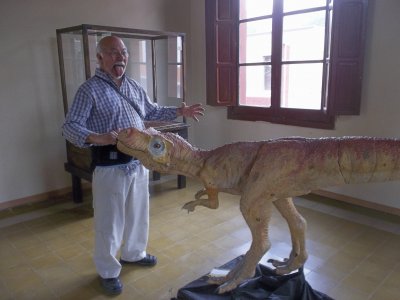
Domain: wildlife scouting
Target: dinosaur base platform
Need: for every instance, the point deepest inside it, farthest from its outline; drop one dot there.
(264, 285)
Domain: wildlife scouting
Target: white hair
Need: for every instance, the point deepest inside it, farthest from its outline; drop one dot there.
(99, 48)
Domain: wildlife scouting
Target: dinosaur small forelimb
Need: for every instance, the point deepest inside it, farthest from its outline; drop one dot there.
(210, 202)
(200, 193)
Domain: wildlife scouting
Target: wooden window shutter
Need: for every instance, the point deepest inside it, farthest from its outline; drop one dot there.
(347, 55)
(221, 51)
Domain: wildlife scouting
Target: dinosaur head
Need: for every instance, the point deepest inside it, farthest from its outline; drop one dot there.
(150, 146)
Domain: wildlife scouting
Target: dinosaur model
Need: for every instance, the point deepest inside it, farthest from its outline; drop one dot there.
(266, 174)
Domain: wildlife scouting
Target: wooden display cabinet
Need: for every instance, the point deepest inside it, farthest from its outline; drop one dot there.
(156, 61)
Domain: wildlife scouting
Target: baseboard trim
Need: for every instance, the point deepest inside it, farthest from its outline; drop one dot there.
(67, 192)
(359, 202)
(55, 194)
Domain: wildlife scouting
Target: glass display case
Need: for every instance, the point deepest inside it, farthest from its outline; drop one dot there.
(156, 61)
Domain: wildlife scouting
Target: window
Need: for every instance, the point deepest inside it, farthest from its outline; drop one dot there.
(175, 67)
(267, 74)
(296, 62)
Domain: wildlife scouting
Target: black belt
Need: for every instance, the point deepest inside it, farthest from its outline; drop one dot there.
(109, 155)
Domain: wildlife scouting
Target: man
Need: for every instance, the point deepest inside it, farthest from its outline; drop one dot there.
(105, 104)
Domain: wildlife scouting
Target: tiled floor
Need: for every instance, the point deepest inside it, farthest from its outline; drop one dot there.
(45, 250)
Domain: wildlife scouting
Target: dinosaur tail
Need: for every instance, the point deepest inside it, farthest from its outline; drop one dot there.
(369, 159)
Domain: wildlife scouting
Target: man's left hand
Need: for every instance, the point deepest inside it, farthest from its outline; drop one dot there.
(192, 111)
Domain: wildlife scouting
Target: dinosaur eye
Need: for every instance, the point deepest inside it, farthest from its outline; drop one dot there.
(156, 146)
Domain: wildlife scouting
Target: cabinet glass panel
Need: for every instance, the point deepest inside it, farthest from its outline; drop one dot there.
(155, 60)
(74, 67)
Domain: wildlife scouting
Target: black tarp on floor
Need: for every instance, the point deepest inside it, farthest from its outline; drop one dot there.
(265, 285)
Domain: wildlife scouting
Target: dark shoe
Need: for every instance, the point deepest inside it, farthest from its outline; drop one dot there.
(147, 261)
(112, 286)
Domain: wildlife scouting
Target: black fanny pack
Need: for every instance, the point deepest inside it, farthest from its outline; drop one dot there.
(108, 156)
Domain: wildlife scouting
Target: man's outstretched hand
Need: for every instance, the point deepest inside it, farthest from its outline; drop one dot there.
(193, 111)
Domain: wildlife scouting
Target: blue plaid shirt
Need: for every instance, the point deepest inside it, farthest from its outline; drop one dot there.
(100, 107)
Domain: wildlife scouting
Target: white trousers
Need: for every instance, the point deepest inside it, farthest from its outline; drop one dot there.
(121, 217)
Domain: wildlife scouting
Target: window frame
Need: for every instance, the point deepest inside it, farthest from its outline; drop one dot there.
(347, 43)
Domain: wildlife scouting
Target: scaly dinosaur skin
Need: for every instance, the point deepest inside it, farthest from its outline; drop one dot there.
(264, 174)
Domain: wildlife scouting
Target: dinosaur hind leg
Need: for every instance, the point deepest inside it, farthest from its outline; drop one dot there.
(257, 217)
(297, 226)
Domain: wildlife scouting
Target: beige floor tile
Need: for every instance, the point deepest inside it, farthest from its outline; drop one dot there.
(39, 292)
(131, 274)
(21, 281)
(385, 293)
(12, 259)
(24, 239)
(70, 252)
(366, 277)
(82, 264)
(149, 283)
(389, 289)
(52, 253)
(48, 261)
(46, 232)
(35, 251)
(321, 281)
(344, 292)
(175, 251)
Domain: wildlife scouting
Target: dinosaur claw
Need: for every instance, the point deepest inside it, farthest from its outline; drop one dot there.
(227, 287)
(189, 206)
(215, 280)
(277, 263)
(224, 285)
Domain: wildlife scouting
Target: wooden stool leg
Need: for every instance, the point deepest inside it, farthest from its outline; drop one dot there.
(76, 189)
(156, 176)
(181, 182)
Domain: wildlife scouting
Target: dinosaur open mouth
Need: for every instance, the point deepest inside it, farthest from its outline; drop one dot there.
(125, 148)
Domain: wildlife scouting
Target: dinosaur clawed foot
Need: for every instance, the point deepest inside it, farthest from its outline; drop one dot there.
(235, 277)
(278, 263)
(190, 206)
(225, 284)
(288, 265)
(281, 267)
(228, 286)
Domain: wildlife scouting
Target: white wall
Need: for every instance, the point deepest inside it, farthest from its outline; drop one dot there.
(380, 108)
(32, 149)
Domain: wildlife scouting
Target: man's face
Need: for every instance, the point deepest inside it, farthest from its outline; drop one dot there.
(113, 57)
